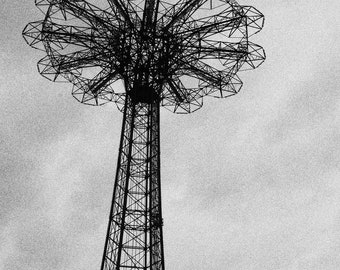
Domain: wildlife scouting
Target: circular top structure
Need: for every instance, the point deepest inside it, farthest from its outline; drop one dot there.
(174, 52)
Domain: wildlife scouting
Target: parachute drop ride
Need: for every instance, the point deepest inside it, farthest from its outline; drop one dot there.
(144, 55)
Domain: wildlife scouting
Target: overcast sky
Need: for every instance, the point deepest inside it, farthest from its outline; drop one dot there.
(251, 182)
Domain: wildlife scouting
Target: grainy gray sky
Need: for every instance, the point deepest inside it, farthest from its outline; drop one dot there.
(251, 182)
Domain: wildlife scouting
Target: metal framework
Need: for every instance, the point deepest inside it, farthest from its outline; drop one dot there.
(134, 236)
(143, 54)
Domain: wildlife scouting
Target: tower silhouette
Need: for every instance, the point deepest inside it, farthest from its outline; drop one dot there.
(143, 55)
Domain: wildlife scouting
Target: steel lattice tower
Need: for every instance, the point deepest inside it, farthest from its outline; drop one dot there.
(143, 54)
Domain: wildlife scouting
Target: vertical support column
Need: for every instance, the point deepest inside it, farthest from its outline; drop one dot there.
(156, 220)
(134, 237)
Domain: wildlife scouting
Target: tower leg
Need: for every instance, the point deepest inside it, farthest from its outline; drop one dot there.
(134, 237)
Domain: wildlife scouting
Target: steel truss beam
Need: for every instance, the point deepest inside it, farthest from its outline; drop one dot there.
(134, 237)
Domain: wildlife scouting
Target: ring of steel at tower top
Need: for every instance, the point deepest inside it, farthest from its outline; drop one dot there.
(176, 54)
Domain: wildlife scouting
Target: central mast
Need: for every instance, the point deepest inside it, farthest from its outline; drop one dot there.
(134, 237)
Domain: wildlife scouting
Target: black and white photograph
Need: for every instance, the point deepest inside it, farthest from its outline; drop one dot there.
(169, 134)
